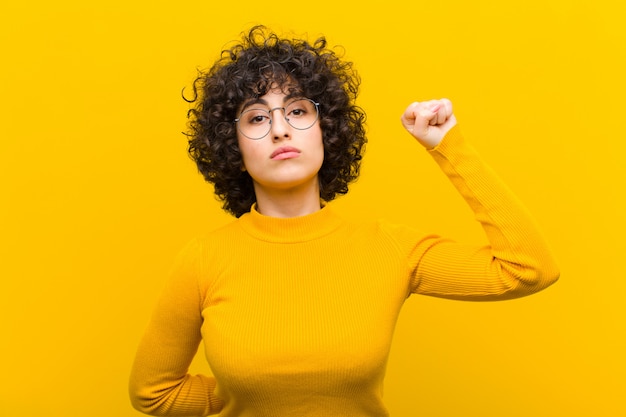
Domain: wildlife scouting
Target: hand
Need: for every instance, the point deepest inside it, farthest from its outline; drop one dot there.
(429, 121)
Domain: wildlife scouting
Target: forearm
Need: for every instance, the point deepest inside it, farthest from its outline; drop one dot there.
(160, 385)
(517, 260)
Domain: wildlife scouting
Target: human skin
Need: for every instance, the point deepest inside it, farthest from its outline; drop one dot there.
(285, 183)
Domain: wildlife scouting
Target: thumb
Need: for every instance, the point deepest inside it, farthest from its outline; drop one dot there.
(419, 117)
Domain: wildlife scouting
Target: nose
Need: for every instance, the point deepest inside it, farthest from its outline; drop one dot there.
(279, 128)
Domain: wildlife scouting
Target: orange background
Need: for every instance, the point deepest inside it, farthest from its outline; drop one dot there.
(98, 194)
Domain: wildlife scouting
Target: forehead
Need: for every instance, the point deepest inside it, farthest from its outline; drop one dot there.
(276, 96)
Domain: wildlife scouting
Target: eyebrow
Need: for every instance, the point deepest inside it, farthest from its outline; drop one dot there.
(259, 100)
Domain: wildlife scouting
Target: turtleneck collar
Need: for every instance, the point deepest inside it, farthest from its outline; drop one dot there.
(291, 229)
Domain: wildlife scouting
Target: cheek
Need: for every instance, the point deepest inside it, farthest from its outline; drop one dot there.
(320, 142)
(251, 152)
(244, 151)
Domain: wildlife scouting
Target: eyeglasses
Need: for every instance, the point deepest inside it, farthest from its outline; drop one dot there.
(256, 122)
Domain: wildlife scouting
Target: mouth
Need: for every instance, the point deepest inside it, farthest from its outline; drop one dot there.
(285, 152)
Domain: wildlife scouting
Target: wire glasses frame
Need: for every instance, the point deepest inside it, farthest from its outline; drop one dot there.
(256, 122)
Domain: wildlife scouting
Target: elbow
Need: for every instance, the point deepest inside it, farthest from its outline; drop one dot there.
(540, 275)
(143, 400)
(140, 405)
(547, 270)
(550, 274)
(528, 278)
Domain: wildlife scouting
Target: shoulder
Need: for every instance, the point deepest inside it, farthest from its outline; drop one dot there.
(408, 240)
(218, 235)
(206, 245)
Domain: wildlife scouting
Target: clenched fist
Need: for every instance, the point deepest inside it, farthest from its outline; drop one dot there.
(429, 121)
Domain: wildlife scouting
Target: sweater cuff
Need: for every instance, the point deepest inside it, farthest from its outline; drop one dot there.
(450, 141)
(215, 403)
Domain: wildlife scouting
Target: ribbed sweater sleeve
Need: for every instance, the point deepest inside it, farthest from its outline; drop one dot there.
(516, 262)
(159, 382)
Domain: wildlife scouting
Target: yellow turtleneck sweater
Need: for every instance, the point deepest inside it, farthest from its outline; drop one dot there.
(297, 314)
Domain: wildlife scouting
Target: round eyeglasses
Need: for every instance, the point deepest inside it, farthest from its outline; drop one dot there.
(255, 122)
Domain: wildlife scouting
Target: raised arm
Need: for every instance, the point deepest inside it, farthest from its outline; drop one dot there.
(516, 261)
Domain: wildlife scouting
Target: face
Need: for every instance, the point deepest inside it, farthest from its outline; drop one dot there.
(286, 158)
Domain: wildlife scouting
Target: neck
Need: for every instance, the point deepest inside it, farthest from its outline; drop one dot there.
(292, 202)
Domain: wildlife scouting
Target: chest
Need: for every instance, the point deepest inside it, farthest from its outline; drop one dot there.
(285, 312)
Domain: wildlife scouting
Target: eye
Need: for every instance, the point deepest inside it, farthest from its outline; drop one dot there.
(297, 112)
(255, 116)
(299, 108)
(257, 119)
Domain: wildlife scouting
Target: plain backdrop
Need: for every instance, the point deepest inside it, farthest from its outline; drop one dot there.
(98, 195)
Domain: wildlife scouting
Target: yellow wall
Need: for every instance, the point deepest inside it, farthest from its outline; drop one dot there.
(97, 194)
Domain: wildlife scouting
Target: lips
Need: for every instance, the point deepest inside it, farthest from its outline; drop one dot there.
(285, 152)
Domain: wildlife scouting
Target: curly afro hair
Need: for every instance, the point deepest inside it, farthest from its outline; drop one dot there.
(249, 69)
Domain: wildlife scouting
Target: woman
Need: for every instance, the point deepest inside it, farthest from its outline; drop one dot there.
(296, 305)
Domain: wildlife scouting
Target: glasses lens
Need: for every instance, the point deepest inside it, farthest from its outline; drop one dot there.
(254, 123)
(301, 114)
